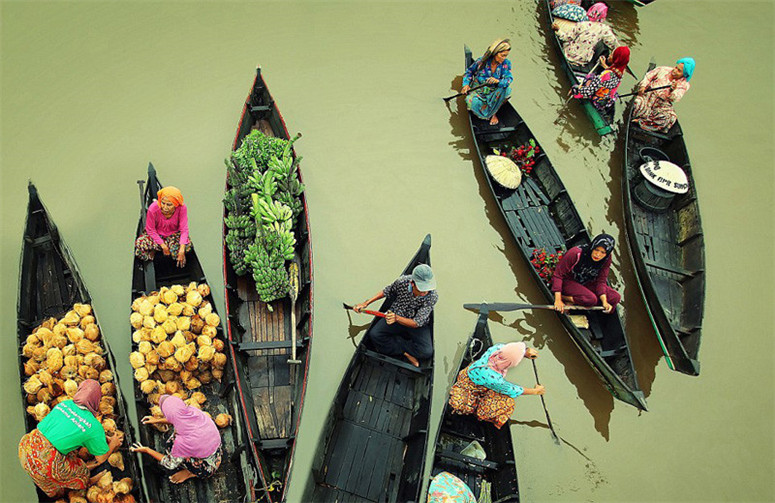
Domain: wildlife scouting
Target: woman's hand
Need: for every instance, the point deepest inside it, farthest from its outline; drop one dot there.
(150, 420)
(531, 353)
(465, 89)
(539, 389)
(559, 305)
(165, 249)
(492, 80)
(138, 447)
(607, 308)
(390, 317)
(555, 26)
(604, 62)
(182, 256)
(116, 440)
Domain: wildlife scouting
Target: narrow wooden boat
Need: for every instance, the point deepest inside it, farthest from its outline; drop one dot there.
(666, 244)
(541, 215)
(376, 435)
(456, 432)
(603, 122)
(234, 479)
(49, 285)
(261, 335)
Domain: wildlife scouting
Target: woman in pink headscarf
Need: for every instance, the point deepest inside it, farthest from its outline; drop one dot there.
(482, 388)
(166, 228)
(49, 452)
(194, 448)
(580, 41)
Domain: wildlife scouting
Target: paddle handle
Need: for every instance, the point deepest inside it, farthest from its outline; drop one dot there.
(366, 311)
(463, 94)
(645, 91)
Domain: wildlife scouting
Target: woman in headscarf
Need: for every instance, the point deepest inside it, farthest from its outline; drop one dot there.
(482, 388)
(580, 41)
(653, 110)
(494, 70)
(166, 228)
(49, 452)
(194, 449)
(581, 276)
(601, 89)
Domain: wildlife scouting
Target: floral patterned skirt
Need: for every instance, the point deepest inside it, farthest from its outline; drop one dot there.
(485, 102)
(52, 471)
(466, 397)
(201, 467)
(653, 114)
(144, 245)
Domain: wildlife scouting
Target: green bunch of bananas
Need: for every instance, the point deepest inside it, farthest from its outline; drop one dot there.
(265, 259)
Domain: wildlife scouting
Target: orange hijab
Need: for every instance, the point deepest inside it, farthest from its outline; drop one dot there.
(173, 193)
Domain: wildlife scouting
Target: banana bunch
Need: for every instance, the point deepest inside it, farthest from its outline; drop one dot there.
(268, 265)
(267, 212)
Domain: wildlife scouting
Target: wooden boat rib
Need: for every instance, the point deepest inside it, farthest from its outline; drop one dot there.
(457, 431)
(541, 214)
(667, 247)
(603, 122)
(49, 285)
(234, 479)
(376, 435)
(261, 339)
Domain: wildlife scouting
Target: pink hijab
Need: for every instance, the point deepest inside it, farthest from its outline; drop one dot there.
(196, 435)
(88, 395)
(597, 12)
(506, 357)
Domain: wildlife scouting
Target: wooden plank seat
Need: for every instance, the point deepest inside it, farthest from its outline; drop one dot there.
(264, 345)
(671, 268)
(461, 458)
(398, 363)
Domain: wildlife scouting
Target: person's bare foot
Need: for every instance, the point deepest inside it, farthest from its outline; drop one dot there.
(412, 359)
(494, 120)
(181, 476)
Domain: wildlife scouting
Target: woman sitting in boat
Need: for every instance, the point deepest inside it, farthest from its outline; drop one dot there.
(580, 41)
(166, 228)
(49, 452)
(581, 276)
(193, 449)
(653, 110)
(482, 388)
(601, 89)
(494, 70)
(405, 330)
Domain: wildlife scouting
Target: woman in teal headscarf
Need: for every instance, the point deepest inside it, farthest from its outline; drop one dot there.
(653, 110)
(494, 70)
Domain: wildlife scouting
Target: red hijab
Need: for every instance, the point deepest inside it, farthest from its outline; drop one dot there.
(620, 58)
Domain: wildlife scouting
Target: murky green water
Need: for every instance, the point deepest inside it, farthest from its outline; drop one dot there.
(92, 91)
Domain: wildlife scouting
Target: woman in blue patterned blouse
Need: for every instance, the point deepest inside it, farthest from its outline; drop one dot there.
(482, 388)
(494, 70)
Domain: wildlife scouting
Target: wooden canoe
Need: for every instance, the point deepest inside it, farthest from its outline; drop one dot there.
(261, 335)
(602, 122)
(49, 285)
(667, 247)
(233, 481)
(376, 435)
(457, 431)
(541, 214)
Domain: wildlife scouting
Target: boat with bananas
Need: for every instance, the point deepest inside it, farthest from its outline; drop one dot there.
(267, 269)
(55, 312)
(542, 217)
(602, 121)
(376, 434)
(176, 313)
(493, 478)
(666, 240)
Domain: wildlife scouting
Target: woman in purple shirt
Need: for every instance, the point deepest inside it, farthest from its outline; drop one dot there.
(166, 228)
(581, 276)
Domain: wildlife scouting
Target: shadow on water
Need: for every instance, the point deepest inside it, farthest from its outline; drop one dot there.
(354, 330)
(644, 346)
(535, 327)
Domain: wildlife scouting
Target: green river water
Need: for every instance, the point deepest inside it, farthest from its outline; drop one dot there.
(92, 91)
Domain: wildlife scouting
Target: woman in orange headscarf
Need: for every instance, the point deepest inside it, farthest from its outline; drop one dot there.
(482, 388)
(166, 228)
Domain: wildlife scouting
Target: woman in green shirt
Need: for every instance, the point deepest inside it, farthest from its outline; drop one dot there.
(48, 453)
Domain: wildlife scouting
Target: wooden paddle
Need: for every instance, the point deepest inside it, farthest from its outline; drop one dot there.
(463, 94)
(571, 90)
(367, 311)
(293, 275)
(645, 91)
(543, 402)
(505, 306)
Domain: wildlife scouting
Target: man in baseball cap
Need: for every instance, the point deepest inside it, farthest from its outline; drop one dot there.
(405, 330)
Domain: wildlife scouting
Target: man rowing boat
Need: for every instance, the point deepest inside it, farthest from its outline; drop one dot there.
(405, 330)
